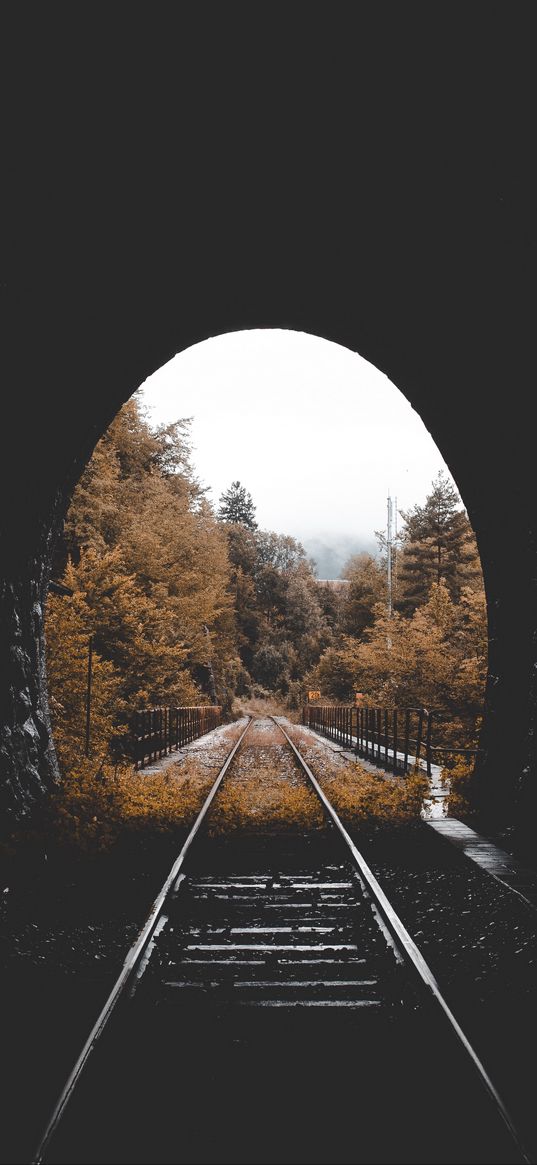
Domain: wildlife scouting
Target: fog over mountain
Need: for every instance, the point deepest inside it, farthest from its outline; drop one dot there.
(316, 434)
(330, 552)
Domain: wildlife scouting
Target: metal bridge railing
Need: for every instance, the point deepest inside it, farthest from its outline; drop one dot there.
(396, 739)
(158, 731)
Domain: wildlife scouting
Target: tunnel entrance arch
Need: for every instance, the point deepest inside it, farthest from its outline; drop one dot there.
(103, 358)
(317, 433)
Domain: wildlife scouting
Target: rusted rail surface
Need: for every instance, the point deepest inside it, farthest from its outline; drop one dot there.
(396, 739)
(158, 731)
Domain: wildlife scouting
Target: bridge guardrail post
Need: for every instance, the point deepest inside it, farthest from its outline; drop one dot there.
(407, 742)
(156, 732)
(419, 736)
(428, 744)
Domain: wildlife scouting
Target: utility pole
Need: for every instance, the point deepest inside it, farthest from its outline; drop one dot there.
(395, 552)
(389, 546)
(88, 694)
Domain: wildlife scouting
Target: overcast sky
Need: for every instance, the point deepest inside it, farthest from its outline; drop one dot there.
(315, 433)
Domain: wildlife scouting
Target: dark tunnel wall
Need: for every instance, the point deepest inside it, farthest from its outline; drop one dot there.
(417, 258)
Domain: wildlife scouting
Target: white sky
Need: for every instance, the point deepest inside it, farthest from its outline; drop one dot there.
(314, 432)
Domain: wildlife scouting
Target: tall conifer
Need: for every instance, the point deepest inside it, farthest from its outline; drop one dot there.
(438, 543)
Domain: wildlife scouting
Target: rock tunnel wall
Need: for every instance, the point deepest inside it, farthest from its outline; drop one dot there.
(434, 295)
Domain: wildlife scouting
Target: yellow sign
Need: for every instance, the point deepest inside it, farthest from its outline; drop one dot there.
(314, 696)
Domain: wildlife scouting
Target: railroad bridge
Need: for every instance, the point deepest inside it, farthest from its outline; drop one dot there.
(415, 256)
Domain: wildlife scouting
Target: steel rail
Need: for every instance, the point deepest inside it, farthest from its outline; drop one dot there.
(131, 963)
(411, 952)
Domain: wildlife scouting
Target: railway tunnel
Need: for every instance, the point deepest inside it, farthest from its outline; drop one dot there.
(428, 282)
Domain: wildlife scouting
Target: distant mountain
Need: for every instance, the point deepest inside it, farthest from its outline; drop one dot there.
(330, 553)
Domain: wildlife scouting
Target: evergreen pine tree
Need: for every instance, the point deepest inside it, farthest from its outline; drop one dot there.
(236, 505)
(438, 543)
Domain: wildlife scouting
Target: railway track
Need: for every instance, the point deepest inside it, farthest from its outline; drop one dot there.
(274, 1007)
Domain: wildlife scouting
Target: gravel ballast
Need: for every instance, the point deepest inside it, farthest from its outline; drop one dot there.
(64, 933)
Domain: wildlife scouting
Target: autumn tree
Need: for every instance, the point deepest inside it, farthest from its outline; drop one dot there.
(288, 595)
(242, 553)
(432, 650)
(148, 562)
(271, 665)
(367, 587)
(336, 673)
(69, 625)
(332, 600)
(436, 658)
(305, 623)
(281, 627)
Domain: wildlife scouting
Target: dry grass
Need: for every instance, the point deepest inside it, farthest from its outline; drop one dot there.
(266, 801)
(265, 792)
(259, 706)
(358, 796)
(96, 806)
(458, 778)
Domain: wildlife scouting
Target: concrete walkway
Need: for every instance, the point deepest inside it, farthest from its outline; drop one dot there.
(501, 865)
(488, 856)
(210, 739)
